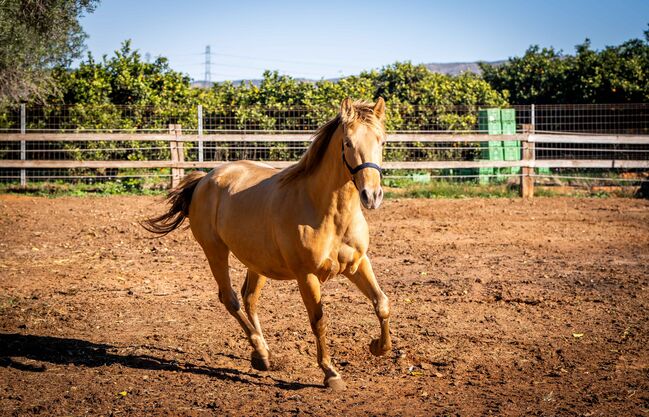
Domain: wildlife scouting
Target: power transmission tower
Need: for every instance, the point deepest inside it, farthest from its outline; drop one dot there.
(208, 65)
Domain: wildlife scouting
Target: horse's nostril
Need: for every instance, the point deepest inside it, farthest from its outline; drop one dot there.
(365, 197)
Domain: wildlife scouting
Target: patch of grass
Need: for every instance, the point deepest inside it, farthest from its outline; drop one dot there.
(136, 186)
(586, 192)
(448, 189)
(407, 188)
(393, 187)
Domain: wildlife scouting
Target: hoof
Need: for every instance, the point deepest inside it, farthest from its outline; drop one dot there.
(335, 383)
(259, 363)
(376, 350)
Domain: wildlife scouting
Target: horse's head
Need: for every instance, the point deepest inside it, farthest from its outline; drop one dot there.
(362, 147)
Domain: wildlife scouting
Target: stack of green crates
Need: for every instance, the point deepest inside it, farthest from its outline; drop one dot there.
(512, 148)
(498, 122)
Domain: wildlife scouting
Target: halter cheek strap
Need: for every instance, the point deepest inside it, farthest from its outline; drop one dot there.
(361, 166)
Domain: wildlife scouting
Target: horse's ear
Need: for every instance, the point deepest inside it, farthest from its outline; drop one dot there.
(379, 108)
(347, 112)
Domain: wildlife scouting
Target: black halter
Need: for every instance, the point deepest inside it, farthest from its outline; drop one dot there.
(361, 166)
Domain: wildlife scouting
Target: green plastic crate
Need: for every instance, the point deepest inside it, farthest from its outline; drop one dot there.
(508, 115)
(421, 178)
(512, 152)
(498, 122)
(508, 128)
(484, 175)
(489, 121)
(492, 150)
(512, 149)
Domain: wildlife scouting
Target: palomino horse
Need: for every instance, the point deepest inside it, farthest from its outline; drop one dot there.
(303, 223)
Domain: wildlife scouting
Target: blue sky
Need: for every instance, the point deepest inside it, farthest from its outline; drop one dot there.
(332, 38)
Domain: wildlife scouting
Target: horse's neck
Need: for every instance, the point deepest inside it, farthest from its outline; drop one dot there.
(330, 188)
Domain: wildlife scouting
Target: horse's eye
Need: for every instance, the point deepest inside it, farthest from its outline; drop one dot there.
(348, 143)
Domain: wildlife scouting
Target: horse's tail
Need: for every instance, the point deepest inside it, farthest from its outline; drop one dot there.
(179, 198)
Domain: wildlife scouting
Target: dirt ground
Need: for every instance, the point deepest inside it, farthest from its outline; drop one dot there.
(499, 307)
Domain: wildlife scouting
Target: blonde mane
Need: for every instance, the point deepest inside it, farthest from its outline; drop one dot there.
(363, 113)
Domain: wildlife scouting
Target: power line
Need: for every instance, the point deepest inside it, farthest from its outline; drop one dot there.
(248, 67)
(208, 64)
(288, 61)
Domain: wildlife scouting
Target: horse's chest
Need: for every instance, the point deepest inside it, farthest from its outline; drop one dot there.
(328, 268)
(328, 254)
(339, 259)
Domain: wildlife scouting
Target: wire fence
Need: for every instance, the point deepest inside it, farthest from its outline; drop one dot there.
(109, 118)
(224, 151)
(418, 136)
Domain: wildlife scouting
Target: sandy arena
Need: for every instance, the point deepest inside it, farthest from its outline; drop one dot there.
(499, 307)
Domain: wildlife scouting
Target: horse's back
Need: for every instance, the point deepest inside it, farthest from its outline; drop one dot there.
(234, 204)
(239, 182)
(239, 175)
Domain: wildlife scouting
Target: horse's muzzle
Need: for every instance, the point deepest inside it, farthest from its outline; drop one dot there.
(371, 199)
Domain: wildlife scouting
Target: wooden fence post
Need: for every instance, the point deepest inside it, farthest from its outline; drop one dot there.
(23, 147)
(200, 132)
(180, 149)
(527, 172)
(177, 154)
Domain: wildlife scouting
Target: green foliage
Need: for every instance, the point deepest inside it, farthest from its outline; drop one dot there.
(616, 74)
(449, 189)
(36, 35)
(125, 93)
(113, 186)
(422, 100)
(97, 91)
(122, 93)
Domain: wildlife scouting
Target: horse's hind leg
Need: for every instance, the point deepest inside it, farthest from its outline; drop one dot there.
(217, 255)
(250, 291)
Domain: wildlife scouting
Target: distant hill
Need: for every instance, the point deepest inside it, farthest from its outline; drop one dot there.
(256, 81)
(202, 84)
(449, 68)
(456, 68)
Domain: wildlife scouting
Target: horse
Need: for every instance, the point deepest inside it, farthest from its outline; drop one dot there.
(302, 223)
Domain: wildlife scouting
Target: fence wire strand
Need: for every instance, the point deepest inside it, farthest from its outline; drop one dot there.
(66, 121)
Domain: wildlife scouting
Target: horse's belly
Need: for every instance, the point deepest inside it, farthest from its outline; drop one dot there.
(256, 251)
(269, 268)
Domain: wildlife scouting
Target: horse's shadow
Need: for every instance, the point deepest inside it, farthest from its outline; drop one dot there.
(79, 352)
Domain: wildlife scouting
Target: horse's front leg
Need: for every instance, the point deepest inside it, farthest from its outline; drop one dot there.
(365, 280)
(310, 291)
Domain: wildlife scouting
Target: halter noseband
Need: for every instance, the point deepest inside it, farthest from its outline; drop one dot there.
(361, 166)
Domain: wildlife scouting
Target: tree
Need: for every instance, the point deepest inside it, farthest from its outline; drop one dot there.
(35, 36)
(539, 76)
(417, 98)
(615, 74)
(95, 94)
